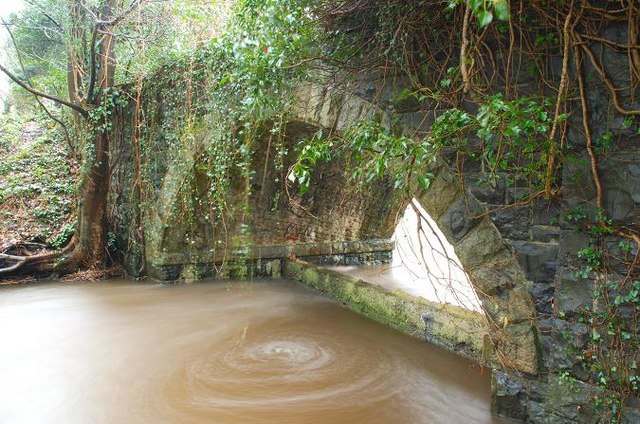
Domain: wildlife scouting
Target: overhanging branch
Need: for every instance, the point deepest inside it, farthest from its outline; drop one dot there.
(38, 93)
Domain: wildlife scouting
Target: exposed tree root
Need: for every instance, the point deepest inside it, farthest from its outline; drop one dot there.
(42, 263)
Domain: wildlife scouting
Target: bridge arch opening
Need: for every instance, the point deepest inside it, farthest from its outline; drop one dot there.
(426, 263)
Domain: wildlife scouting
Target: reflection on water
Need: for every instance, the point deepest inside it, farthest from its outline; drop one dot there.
(266, 352)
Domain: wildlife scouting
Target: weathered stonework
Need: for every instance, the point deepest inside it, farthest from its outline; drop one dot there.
(521, 259)
(447, 326)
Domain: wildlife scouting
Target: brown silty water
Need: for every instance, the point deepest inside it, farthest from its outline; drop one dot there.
(261, 352)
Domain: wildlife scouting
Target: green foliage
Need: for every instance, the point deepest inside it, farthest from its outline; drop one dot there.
(372, 151)
(100, 117)
(257, 54)
(37, 182)
(513, 133)
(566, 379)
(507, 136)
(603, 143)
(485, 10)
(611, 354)
(217, 102)
(593, 259)
(576, 215)
(42, 40)
(63, 236)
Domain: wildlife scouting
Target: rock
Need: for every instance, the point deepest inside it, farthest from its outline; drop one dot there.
(572, 294)
(538, 260)
(561, 341)
(545, 233)
(507, 396)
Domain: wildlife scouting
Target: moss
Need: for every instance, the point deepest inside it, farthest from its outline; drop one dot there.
(450, 327)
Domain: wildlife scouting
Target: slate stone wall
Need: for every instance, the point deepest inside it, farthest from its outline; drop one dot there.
(522, 258)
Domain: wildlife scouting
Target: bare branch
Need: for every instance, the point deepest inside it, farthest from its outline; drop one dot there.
(117, 19)
(92, 73)
(38, 93)
(44, 108)
(45, 14)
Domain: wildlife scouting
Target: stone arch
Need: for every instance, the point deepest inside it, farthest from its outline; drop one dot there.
(333, 214)
(493, 269)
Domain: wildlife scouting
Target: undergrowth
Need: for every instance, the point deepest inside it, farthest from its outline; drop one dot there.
(37, 182)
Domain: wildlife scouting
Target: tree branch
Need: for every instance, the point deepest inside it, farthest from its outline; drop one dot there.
(117, 19)
(44, 108)
(92, 73)
(38, 93)
(45, 14)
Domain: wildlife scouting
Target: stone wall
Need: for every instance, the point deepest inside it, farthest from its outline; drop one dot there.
(521, 257)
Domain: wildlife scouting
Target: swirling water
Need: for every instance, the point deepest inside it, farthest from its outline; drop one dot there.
(261, 352)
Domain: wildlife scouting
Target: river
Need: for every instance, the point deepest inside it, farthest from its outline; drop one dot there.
(261, 352)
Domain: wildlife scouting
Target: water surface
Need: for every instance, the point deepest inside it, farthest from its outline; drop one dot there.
(265, 352)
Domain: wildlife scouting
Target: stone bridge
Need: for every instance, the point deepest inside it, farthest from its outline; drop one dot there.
(334, 218)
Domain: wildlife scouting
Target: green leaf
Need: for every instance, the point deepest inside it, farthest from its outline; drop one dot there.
(485, 17)
(475, 4)
(502, 9)
(424, 182)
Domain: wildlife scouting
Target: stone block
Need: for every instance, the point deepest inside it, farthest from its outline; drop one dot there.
(571, 242)
(443, 191)
(482, 245)
(511, 307)
(516, 348)
(577, 180)
(570, 400)
(542, 294)
(507, 395)
(545, 233)
(538, 260)
(486, 191)
(164, 273)
(621, 185)
(496, 277)
(572, 294)
(561, 341)
(516, 194)
(513, 221)
(460, 218)
(545, 213)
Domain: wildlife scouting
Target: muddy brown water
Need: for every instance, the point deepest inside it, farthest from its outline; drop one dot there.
(261, 352)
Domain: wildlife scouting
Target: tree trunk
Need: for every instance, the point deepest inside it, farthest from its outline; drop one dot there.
(91, 244)
(76, 63)
(91, 248)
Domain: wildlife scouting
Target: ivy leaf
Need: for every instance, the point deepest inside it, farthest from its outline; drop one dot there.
(502, 9)
(475, 4)
(485, 17)
(424, 182)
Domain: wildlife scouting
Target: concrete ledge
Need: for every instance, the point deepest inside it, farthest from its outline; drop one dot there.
(273, 252)
(450, 327)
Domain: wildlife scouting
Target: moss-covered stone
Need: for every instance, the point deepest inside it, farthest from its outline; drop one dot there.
(450, 327)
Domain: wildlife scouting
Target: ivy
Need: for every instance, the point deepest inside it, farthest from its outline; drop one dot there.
(511, 135)
(100, 117)
(372, 151)
(485, 10)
